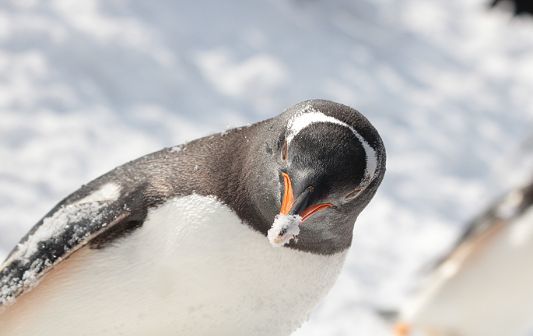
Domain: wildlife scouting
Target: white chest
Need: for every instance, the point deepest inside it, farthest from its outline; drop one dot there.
(191, 269)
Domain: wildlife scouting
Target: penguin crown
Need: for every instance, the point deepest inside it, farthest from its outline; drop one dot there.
(309, 115)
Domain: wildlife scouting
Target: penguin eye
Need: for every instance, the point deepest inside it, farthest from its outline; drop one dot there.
(284, 151)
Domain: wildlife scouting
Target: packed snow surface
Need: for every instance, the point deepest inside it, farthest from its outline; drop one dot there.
(284, 229)
(88, 85)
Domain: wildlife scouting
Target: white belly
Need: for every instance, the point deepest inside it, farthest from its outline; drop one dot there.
(191, 269)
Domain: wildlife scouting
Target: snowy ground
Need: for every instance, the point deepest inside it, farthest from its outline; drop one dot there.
(87, 85)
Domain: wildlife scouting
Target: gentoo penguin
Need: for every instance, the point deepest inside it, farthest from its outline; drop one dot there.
(484, 286)
(238, 233)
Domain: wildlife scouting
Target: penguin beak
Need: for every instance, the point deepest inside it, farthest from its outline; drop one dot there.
(290, 206)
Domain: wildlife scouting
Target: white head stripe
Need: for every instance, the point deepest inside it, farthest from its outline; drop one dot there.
(311, 116)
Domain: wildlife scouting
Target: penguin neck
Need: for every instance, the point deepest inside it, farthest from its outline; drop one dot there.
(234, 155)
(237, 168)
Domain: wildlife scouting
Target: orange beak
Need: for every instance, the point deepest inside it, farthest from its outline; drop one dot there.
(402, 329)
(288, 195)
(287, 201)
(313, 209)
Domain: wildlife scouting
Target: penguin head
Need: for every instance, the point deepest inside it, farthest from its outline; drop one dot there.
(328, 163)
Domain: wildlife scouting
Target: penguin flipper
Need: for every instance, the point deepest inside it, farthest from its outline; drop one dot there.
(54, 238)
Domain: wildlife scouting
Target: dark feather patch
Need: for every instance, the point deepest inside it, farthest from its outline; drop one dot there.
(30, 263)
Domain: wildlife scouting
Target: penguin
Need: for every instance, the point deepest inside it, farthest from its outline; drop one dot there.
(237, 233)
(482, 285)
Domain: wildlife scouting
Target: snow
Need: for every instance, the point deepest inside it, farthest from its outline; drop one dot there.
(53, 226)
(88, 85)
(310, 115)
(107, 192)
(29, 279)
(284, 229)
